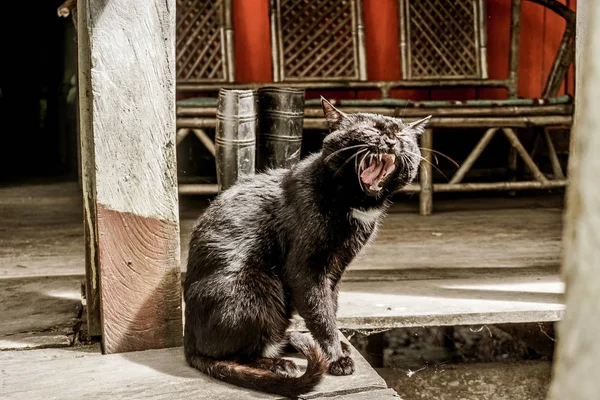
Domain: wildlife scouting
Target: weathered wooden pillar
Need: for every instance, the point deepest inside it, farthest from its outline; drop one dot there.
(576, 374)
(127, 109)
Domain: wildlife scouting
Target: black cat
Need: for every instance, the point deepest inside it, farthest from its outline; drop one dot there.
(279, 242)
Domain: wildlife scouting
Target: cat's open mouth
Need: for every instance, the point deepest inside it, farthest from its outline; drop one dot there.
(375, 170)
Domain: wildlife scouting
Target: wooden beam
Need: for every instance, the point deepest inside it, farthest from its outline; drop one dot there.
(407, 112)
(498, 186)
(206, 141)
(516, 144)
(473, 156)
(578, 348)
(198, 188)
(426, 174)
(128, 115)
(211, 189)
(181, 134)
(191, 86)
(434, 122)
(554, 161)
(88, 181)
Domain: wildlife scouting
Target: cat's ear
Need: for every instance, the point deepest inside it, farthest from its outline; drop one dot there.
(418, 127)
(332, 114)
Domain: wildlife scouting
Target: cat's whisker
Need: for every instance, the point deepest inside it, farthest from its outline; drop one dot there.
(404, 161)
(349, 159)
(414, 163)
(443, 155)
(408, 160)
(356, 165)
(329, 157)
(429, 162)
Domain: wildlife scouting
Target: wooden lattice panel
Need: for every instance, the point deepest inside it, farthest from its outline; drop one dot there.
(204, 45)
(443, 39)
(317, 40)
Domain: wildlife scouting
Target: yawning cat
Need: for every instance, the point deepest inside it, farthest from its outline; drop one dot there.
(279, 242)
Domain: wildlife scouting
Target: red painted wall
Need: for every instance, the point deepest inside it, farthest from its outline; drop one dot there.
(540, 37)
(252, 40)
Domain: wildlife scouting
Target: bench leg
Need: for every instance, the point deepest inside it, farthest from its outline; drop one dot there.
(556, 168)
(426, 174)
(512, 168)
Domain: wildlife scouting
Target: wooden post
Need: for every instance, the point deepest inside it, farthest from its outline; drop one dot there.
(581, 31)
(578, 348)
(127, 105)
(426, 174)
(515, 38)
(513, 164)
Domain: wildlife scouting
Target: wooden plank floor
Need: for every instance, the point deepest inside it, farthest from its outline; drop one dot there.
(41, 230)
(41, 233)
(39, 311)
(472, 262)
(158, 374)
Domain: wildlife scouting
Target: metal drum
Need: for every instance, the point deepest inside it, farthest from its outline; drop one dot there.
(235, 137)
(280, 127)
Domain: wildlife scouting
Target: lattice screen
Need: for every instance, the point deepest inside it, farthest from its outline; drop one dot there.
(204, 45)
(317, 40)
(443, 39)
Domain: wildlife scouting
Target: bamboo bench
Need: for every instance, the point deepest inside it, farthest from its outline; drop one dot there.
(424, 65)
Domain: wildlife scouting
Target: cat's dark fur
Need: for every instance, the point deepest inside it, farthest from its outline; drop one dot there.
(279, 242)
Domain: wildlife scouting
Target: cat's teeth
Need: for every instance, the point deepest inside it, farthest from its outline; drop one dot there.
(379, 156)
(393, 157)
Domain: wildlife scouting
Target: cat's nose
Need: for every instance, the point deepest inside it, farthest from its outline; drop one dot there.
(389, 142)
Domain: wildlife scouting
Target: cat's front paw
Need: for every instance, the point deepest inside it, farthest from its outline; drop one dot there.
(341, 366)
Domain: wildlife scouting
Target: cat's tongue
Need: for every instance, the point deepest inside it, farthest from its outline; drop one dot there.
(371, 173)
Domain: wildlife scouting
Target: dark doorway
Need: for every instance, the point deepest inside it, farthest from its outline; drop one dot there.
(38, 135)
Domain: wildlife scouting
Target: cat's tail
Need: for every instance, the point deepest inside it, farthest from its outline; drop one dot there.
(263, 380)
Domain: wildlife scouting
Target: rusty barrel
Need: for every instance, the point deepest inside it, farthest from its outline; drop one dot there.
(280, 127)
(235, 136)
